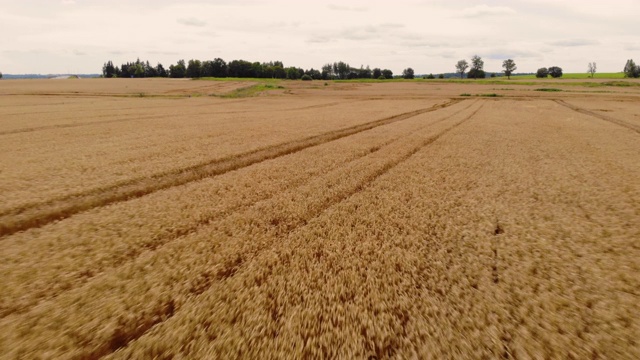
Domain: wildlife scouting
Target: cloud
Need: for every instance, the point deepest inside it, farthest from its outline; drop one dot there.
(79, 53)
(157, 52)
(502, 54)
(634, 47)
(357, 33)
(347, 8)
(192, 22)
(574, 42)
(486, 10)
(319, 39)
(68, 2)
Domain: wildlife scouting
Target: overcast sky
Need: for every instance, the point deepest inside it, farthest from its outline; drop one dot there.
(78, 36)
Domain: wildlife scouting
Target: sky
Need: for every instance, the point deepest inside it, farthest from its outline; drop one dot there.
(79, 36)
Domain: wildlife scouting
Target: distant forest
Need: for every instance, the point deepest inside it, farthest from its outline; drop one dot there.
(241, 69)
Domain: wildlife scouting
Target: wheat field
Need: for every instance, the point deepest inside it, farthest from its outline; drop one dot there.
(167, 219)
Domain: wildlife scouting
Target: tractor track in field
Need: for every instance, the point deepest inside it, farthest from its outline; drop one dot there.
(230, 268)
(159, 240)
(599, 116)
(37, 215)
(147, 117)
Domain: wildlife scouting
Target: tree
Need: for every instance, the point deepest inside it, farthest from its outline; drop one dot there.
(219, 68)
(240, 68)
(591, 69)
(327, 72)
(193, 69)
(161, 71)
(292, 73)
(542, 72)
(631, 70)
(388, 74)
(108, 70)
(0, 75)
(477, 66)
(377, 73)
(341, 69)
(461, 67)
(149, 71)
(407, 73)
(475, 73)
(555, 71)
(179, 70)
(509, 67)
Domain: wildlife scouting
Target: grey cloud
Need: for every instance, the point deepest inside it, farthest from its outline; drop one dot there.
(192, 22)
(574, 42)
(502, 54)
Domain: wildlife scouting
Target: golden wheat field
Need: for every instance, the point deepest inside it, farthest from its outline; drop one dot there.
(148, 218)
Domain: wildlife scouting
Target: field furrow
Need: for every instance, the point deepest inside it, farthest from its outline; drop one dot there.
(600, 116)
(221, 249)
(43, 213)
(446, 255)
(66, 162)
(113, 240)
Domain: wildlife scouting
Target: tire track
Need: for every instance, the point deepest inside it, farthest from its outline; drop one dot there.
(599, 116)
(237, 261)
(41, 214)
(135, 118)
(227, 252)
(158, 240)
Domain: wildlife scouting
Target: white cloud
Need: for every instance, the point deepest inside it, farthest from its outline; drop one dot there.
(192, 22)
(574, 42)
(347, 8)
(486, 10)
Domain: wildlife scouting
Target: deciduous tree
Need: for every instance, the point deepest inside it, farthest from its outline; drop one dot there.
(555, 71)
(461, 67)
(631, 70)
(591, 69)
(477, 66)
(108, 70)
(408, 73)
(509, 67)
(179, 70)
(542, 73)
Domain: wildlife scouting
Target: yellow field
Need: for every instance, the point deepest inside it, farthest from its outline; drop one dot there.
(148, 218)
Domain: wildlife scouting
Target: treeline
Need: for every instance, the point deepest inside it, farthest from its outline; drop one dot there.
(241, 69)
